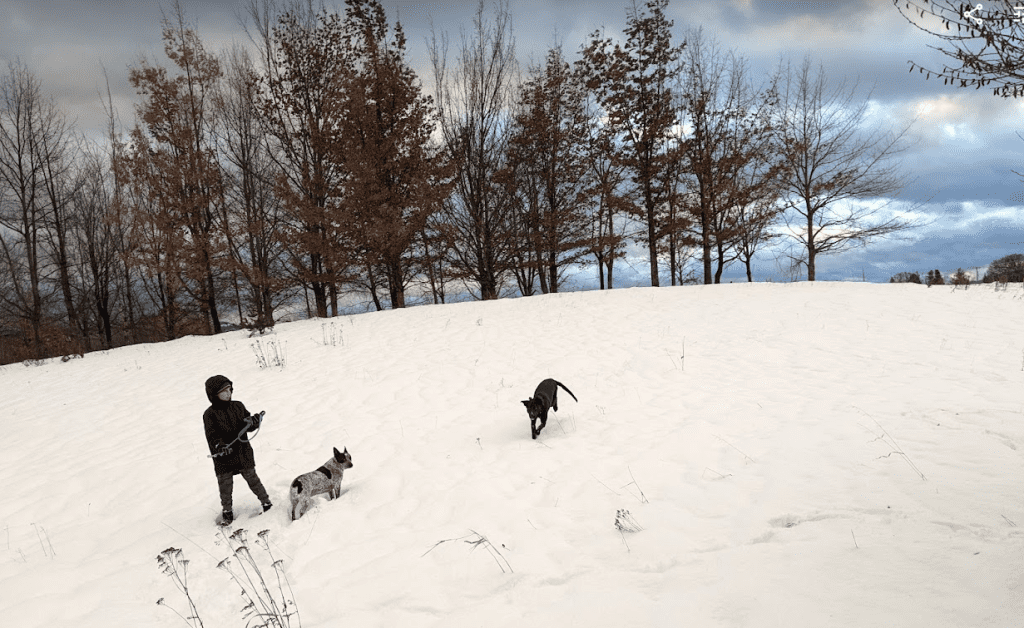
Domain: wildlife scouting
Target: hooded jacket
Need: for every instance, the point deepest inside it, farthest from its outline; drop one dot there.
(224, 421)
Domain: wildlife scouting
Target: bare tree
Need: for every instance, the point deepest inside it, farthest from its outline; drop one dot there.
(29, 124)
(96, 240)
(60, 156)
(473, 99)
(988, 44)
(118, 222)
(831, 165)
(731, 160)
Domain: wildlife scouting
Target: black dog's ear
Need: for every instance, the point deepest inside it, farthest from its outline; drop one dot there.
(527, 402)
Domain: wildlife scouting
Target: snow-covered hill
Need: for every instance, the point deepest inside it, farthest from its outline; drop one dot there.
(795, 454)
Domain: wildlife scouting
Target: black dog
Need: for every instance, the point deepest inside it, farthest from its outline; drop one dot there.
(546, 396)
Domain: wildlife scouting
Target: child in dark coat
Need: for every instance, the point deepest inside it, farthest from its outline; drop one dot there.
(227, 424)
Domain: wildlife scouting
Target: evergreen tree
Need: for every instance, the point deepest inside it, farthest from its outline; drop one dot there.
(397, 176)
(549, 166)
(905, 278)
(172, 164)
(961, 278)
(633, 84)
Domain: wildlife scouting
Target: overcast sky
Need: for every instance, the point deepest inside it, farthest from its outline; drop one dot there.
(959, 167)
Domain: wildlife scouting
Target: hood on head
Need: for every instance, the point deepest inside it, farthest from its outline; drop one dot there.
(214, 385)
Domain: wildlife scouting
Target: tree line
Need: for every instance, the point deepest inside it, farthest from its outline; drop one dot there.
(314, 165)
(1006, 269)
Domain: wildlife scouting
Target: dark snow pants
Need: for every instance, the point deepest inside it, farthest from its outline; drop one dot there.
(226, 482)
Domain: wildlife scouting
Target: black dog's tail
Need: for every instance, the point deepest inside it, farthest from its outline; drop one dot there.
(567, 390)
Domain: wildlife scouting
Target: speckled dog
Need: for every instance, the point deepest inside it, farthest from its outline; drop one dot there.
(326, 479)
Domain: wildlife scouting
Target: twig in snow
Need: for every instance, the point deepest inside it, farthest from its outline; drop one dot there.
(48, 543)
(316, 516)
(642, 498)
(482, 540)
(706, 469)
(893, 445)
(624, 541)
(1008, 521)
(603, 484)
(854, 539)
(477, 542)
(190, 540)
(734, 447)
(51, 553)
(432, 547)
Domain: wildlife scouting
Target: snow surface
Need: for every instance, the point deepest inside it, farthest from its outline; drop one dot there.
(807, 454)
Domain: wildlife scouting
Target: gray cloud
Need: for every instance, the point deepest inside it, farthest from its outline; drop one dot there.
(959, 163)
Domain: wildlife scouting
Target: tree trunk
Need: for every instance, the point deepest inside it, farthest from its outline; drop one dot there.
(652, 238)
(705, 236)
(373, 289)
(211, 300)
(611, 253)
(810, 245)
(395, 287)
(75, 322)
(721, 260)
(672, 256)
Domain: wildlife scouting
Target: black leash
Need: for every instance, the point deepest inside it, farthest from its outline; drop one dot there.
(226, 449)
